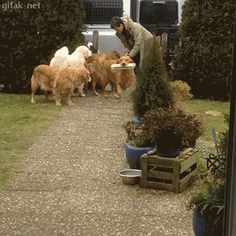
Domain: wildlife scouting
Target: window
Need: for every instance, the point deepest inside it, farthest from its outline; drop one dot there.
(101, 11)
(159, 12)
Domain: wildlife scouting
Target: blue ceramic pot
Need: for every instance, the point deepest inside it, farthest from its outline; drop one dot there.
(198, 224)
(134, 153)
(203, 226)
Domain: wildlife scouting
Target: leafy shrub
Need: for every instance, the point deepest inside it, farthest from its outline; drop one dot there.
(208, 200)
(30, 36)
(136, 135)
(204, 56)
(222, 140)
(153, 88)
(216, 163)
(181, 91)
(186, 125)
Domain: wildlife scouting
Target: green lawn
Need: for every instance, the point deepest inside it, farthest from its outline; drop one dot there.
(205, 108)
(20, 124)
(212, 114)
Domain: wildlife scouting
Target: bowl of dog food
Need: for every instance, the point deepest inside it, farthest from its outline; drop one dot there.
(130, 176)
(119, 67)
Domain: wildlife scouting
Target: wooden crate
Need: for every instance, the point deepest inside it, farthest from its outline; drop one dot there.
(171, 174)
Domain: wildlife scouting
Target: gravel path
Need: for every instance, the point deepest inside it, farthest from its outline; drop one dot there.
(69, 183)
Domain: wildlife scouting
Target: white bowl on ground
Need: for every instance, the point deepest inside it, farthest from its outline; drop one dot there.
(130, 176)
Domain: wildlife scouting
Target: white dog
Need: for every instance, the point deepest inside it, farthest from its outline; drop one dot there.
(83, 50)
(76, 59)
(60, 58)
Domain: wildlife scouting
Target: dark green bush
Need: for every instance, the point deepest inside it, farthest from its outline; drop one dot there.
(31, 36)
(153, 89)
(204, 57)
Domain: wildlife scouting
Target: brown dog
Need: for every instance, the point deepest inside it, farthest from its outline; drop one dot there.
(125, 78)
(100, 56)
(67, 80)
(101, 73)
(43, 77)
(60, 81)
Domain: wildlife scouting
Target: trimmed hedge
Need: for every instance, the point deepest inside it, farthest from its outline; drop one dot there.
(31, 36)
(204, 57)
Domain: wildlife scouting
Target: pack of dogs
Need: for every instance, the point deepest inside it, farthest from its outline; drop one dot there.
(67, 73)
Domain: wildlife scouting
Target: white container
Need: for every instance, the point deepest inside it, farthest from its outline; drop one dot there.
(118, 67)
(130, 176)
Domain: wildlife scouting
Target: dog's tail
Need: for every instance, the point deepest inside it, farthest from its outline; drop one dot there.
(34, 86)
(57, 76)
(54, 84)
(34, 82)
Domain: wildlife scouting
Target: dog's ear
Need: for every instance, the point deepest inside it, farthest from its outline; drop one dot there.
(86, 76)
(90, 67)
(86, 65)
(129, 59)
(89, 59)
(115, 54)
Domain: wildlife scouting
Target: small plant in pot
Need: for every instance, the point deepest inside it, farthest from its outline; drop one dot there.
(137, 144)
(172, 129)
(208, 207)
(208, 201)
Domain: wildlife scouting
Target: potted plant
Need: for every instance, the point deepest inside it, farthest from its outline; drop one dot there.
(208, 201)
(208, 207)
(152, 90)
(172, 129)
(153, 93)
(137, 143)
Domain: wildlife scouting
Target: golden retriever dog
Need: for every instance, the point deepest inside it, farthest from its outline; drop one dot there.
(43, 77)
(125, 78)
(100, 56)
(67, 80)
(101, 73)
(60, 81)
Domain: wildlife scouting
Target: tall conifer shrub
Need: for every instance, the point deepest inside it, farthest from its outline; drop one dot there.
(153, 88)
(204, 56)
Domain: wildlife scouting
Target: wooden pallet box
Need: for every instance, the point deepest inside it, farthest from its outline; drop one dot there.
(171, 174)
